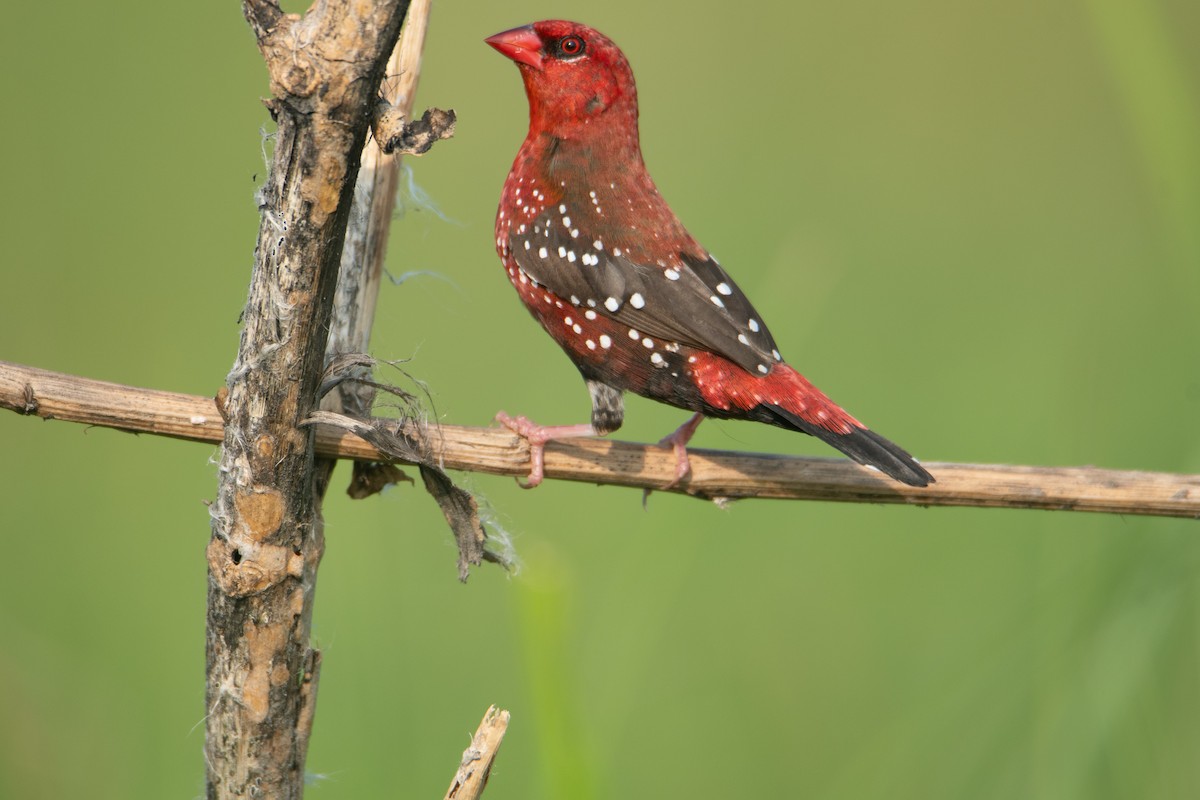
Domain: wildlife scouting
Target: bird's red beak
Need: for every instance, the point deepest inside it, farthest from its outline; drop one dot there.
(522, 45)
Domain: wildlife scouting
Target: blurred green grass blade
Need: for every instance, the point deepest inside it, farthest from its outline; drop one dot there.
(544, 608)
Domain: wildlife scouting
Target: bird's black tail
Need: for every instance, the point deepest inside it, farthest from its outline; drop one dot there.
(862, 444)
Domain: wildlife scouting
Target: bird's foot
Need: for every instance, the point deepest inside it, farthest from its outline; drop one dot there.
(537, 436)
(678, 441)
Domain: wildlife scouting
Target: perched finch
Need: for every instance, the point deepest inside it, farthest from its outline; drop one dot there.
(602, 263)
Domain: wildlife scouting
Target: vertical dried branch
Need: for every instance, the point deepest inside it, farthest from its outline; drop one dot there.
(325, 69)
(361, 272)
(370, 223)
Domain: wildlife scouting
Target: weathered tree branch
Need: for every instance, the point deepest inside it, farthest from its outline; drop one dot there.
(51, 395)
(325, 69)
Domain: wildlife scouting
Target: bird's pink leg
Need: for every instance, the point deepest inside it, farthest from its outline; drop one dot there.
(537, 436)
(678, 441)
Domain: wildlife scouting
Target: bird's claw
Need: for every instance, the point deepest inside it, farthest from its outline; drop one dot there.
(537, 436)
(521, 426)
(529, 483)
(683, 465)
(678, 441)
(683, 468)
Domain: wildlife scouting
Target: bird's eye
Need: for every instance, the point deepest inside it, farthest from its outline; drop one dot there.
(570, 46)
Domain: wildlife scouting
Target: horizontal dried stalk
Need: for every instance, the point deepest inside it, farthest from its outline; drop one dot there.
(716, 474)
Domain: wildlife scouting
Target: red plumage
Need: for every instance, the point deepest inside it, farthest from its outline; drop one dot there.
(604, 265)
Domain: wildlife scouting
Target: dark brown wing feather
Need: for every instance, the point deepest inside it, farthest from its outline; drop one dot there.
(682, 298)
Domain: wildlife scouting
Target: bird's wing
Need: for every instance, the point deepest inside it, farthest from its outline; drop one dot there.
(681, 298)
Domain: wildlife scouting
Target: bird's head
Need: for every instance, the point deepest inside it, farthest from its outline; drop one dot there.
(574, 76)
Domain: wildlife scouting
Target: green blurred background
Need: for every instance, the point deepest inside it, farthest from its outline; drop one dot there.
(977, 225)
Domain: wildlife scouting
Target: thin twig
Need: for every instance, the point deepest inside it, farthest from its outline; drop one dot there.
(476, 765)
(53, 395)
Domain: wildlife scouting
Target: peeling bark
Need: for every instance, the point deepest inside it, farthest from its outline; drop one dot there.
(267, 533)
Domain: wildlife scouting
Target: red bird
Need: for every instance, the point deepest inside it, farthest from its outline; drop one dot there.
(603, 264)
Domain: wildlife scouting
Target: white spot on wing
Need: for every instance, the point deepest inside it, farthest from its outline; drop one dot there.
(612, 304)
(637, 301)
(724, 289)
